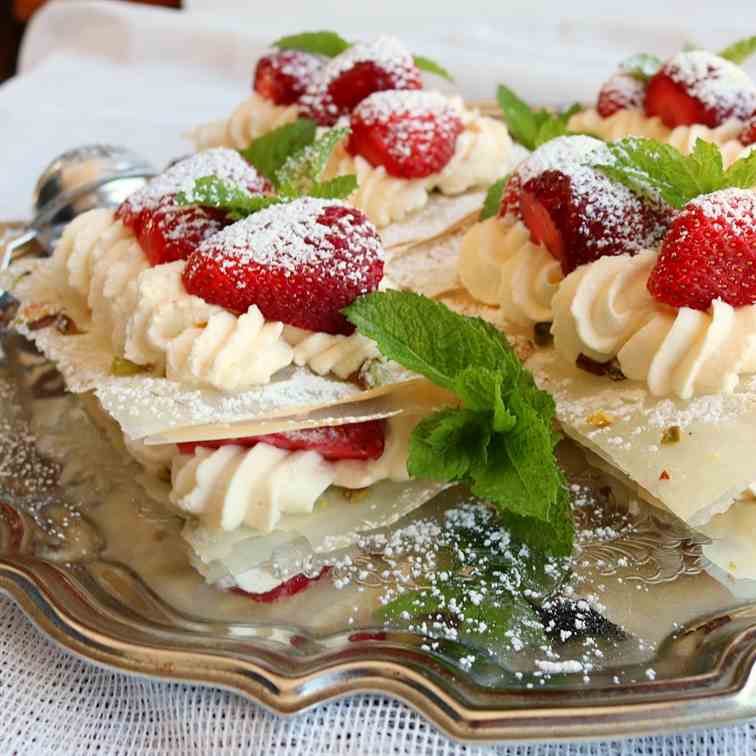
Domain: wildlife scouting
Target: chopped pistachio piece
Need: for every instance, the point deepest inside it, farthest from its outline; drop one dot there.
(123, 367)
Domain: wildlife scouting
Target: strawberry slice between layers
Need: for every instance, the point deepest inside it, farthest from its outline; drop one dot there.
(358, 72)
(356, 441)
(709, 253)
(412, 134)
(283, 76)
(300, 263)
(167, 231)
(698, 87)
(288, 588)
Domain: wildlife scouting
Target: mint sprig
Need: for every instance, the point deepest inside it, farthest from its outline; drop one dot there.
(301, 170)
(269, 152)
(292, 158)
(492, 202)
(641, 66)
(532, 127)
(326, 43)
(659, 171)
(739, 51)
(426, 64)
(237, 202)
(500, 441)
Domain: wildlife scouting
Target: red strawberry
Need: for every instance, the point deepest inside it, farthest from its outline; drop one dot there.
(288, 588)
(283, 76)
(301, 263)
(411, 134)
(582, 215)
(621, 92)
(748, 135)
(363, 69)
(171, 232)
(360, 441)
(137, 209)
(699, 87)
(709, 253)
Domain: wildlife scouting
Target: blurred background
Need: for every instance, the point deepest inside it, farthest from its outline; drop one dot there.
(143, 74)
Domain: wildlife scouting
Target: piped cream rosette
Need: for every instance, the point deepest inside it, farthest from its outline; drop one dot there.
(635, 123)
(604, 311)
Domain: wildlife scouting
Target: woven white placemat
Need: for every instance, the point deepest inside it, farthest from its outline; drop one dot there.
(54, 703)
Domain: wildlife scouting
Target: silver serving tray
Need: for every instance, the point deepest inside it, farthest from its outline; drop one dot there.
(101, 570)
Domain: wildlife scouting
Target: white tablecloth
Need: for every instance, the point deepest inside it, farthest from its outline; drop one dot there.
(96, 71)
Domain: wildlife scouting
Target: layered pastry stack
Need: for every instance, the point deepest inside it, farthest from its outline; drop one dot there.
(209, 314)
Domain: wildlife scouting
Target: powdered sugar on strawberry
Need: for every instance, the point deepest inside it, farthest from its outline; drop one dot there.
(411, 133)
(350, 77)
(221, 162)
(300, 262)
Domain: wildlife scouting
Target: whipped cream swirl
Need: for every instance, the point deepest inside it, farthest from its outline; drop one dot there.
(499, 265)
(604, 310)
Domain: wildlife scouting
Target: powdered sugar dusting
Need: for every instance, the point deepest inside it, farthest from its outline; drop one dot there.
(718, 83)
(563, 154)
(735, 208)
(290, 236)
(222, 162)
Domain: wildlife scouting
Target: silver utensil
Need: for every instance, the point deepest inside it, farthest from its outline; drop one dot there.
(95, 175)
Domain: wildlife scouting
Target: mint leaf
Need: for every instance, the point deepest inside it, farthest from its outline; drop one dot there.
(446, 444)
(740, 51)
(659, 171)
(326, 43)
(492, 203)
(427, 337)
(302, 169)
(426, 64)
(339, 187)
(268, 153)
(529, 127)
(210, 191)
(641, 66)
(501, 442)
(742, 173)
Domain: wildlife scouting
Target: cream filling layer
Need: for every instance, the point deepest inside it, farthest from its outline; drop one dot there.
(499, 265)
(604, 310)
(631, 122)
(234, 486)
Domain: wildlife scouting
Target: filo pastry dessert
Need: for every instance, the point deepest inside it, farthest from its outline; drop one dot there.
(220, 349)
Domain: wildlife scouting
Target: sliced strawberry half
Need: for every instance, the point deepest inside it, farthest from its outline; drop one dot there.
(748, 135)
(136, 211)
(583, 216)
(358, 72)
(359, 441)
(621, 92)
(284, 75)
(288, 588)
(411, 134)
(699, 87)
(171, 232)
(301, 263)
(709, 253)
